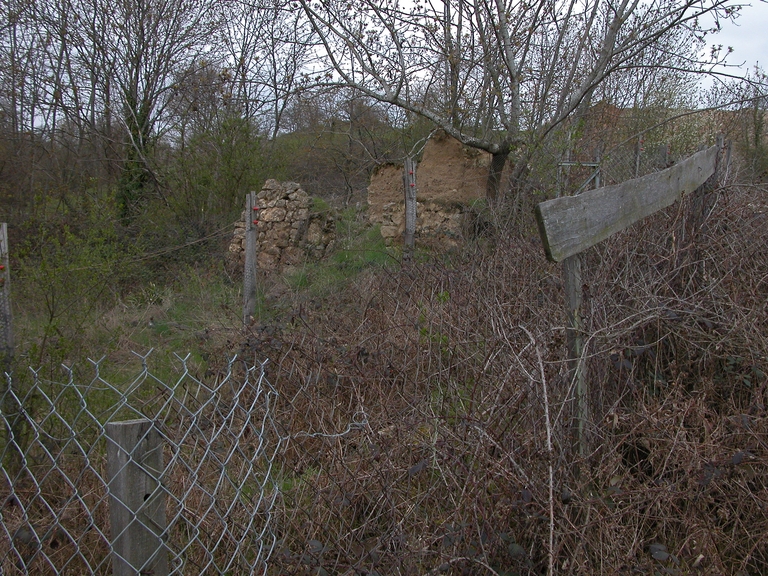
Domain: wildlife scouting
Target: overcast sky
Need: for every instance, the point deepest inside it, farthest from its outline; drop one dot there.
(748, 36)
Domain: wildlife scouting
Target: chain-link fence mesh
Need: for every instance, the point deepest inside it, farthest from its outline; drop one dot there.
(219, 443)
(614, 145)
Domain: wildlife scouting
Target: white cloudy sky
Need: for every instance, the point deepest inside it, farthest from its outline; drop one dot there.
(748, 36)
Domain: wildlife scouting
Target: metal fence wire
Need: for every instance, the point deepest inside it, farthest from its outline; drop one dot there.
(594, 166)
(214, 487)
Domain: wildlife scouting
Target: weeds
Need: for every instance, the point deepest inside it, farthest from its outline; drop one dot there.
(427, 408)
(466, 463)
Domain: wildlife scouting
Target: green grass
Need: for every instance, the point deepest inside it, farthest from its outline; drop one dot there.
(361, 248)
(68, 310)
(194, 313)
(319, 205)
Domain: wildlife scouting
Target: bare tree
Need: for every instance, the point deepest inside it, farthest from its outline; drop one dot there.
(117, 65)
(81, 79)
(20, 46)
(266, 47)
(501, 75)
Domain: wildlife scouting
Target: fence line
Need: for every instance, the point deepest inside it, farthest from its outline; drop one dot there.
(219, 445)
(409, 187)
(6, 324)
(250, 270)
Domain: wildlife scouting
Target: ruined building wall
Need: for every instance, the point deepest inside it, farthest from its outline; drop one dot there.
(289, 232)
(449, 178)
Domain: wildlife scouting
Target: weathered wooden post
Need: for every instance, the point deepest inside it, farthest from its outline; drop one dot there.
(639, 148)
(663, 156)
(571, 224)
(598, 168)
(249, 274)
(409, 185)
(6, 325)
(9, 405)
(704, 197)
(689, 263)
(574, 336)
(136, 498)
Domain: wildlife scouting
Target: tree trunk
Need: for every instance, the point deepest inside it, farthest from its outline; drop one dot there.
(495, 170)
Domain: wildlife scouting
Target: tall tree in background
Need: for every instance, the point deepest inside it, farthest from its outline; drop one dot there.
(105, 83)
(265, 47)
(144, 44)
(21, 94)
(501, 75)
(212, 156)
(73, 71)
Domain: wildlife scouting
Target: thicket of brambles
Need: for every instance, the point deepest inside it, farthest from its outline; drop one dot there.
(451, 364)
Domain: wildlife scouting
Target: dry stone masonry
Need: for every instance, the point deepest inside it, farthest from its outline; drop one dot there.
(450, 179)
(289, 231)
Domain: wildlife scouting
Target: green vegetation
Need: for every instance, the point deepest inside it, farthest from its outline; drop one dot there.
(410, 400)
(319, 205)
(358, 247)
(412, 403)
(423, 408)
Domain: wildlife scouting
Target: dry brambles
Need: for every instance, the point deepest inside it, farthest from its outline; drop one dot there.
(423, 396)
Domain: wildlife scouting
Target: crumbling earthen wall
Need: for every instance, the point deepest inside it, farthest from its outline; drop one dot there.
(289, 232)
(449, 178)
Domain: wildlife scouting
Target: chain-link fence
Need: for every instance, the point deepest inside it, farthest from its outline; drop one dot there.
(192, 490)
(613, 145)
(595, 164)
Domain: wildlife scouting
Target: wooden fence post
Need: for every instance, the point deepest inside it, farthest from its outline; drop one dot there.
(702, 203)
(575, 343)
(598, 168)
(569, 225)
(409, 185)
(9, 406)
(577, 370)
(6, 325)
(136, 499)
(249, 274)
(708, 189)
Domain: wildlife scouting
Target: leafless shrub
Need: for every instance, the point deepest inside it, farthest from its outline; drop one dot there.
(424, 444)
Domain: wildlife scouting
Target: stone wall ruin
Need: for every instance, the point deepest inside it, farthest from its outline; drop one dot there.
(289, 231)
(450, 179)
